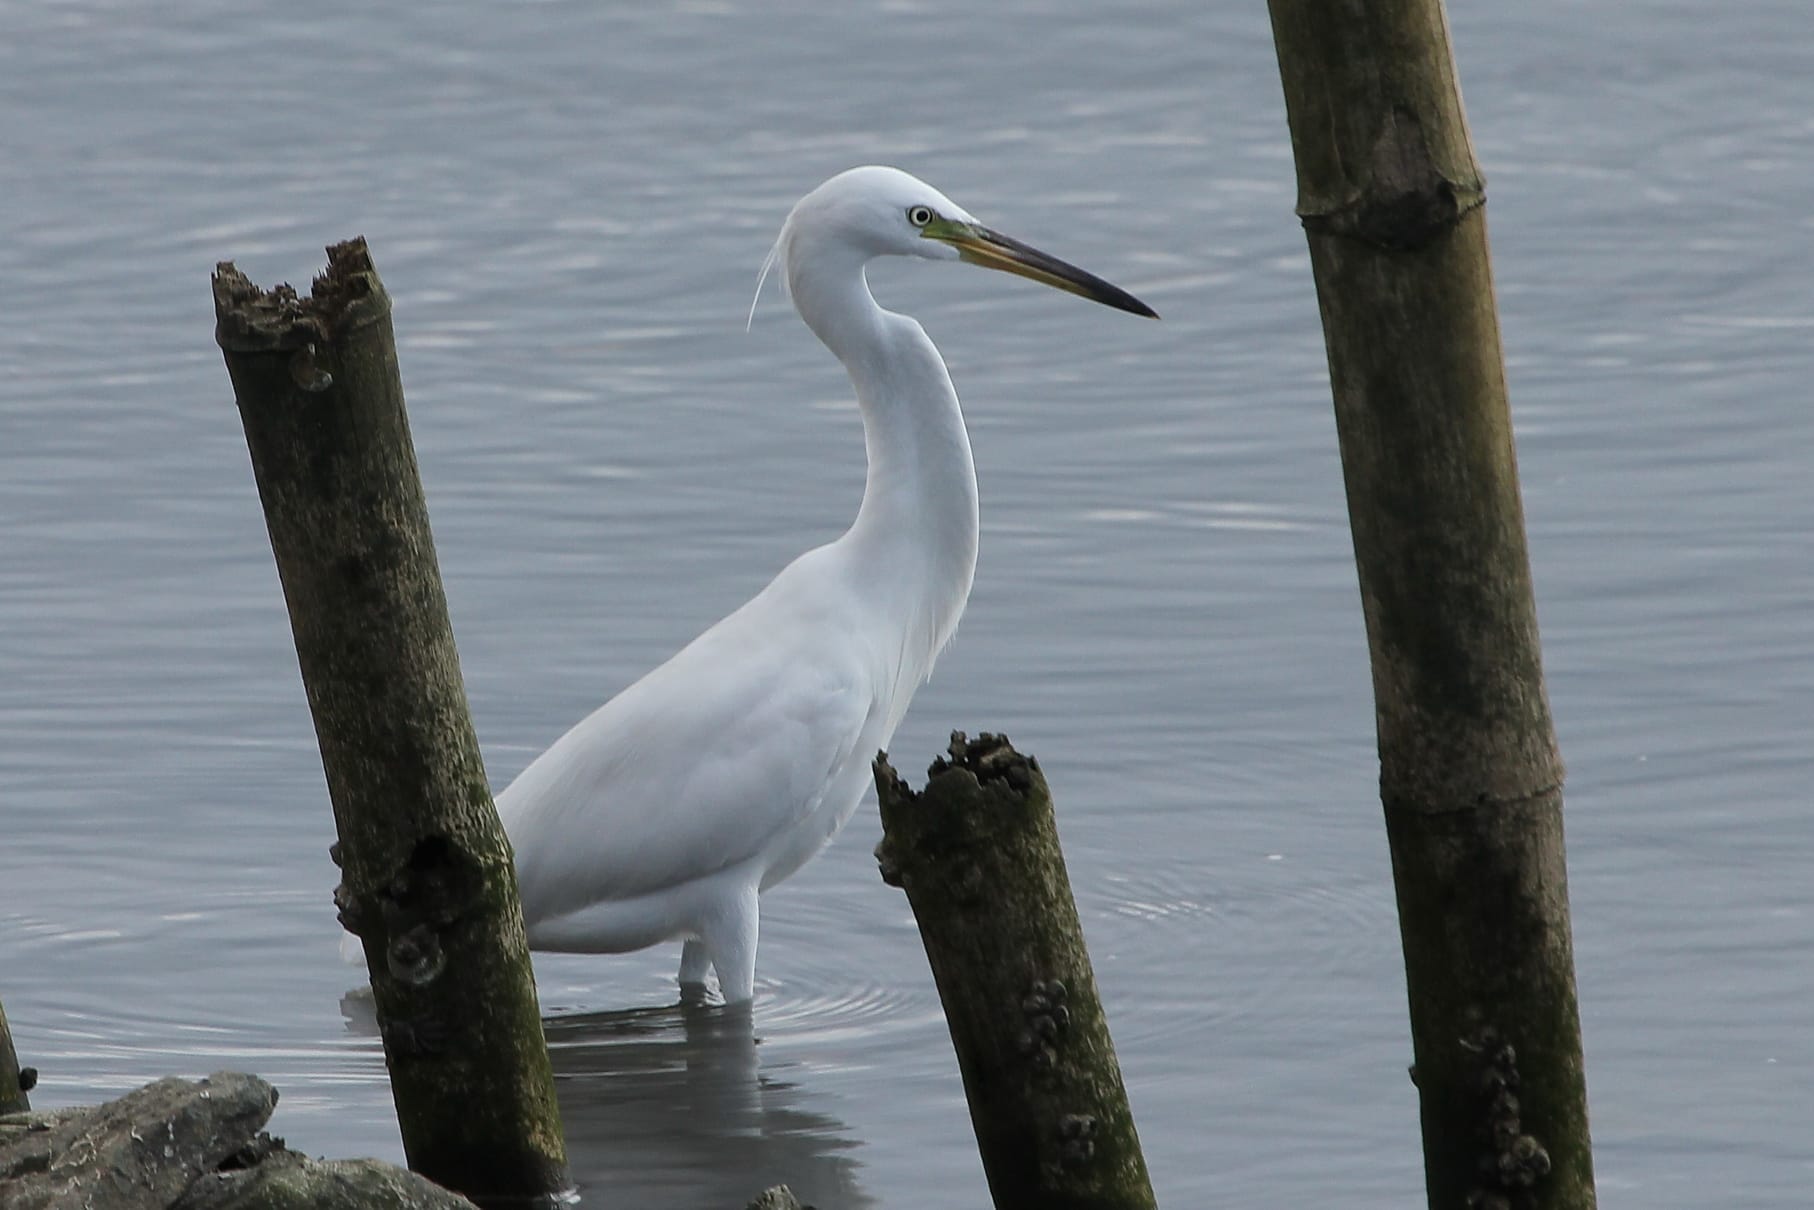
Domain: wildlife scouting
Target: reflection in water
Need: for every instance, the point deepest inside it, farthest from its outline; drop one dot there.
(669, 1107)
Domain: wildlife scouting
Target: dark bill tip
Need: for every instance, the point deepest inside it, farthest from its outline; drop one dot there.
(993, 250)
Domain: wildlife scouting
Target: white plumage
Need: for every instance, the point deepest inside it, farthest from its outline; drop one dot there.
(665, 813)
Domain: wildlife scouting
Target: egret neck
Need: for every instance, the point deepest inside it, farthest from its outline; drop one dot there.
(915, 536)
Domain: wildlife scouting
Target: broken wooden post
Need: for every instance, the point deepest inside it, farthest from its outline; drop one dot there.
(977, 853)
(428, 883)
(1393, 206)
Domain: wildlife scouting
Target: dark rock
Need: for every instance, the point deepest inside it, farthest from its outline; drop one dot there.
(141, 1150)
(189, 1145)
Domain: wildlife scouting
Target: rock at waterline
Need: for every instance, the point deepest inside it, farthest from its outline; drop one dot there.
(188, 1145)
(288, 1181)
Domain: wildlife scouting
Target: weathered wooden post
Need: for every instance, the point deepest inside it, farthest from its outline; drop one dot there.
(977, 853)
(1392, 203)
(15, 1081)
(428, 882)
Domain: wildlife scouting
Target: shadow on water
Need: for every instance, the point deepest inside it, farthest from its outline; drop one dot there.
(669, 1106)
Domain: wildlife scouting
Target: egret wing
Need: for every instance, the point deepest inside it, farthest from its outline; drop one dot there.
(713, 759)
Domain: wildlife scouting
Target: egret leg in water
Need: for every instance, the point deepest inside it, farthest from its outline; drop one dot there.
(668, 811)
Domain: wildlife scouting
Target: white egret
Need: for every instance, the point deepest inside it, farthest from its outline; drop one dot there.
(665, 813)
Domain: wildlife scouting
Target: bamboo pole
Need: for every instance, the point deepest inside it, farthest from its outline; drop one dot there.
(1392, 203)
(15, 1081)
(977, 853)
(428, 882)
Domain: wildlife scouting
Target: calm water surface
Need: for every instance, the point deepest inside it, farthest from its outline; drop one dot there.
(569, 203)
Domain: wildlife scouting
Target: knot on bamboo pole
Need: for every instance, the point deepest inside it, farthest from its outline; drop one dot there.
(439, 883)
(1401, 199)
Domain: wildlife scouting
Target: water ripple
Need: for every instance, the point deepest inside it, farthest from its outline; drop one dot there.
(1271, 938)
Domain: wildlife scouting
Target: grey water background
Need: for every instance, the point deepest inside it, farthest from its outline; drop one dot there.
(569, 203)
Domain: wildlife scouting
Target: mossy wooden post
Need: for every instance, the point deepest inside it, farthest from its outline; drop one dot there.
(1392, 202)
(15, 1081)
(427, 879)
(977, 853)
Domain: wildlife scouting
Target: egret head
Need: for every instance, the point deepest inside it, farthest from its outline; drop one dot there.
(875, 211)
(863, 213)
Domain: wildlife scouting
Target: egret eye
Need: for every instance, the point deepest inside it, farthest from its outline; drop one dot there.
(919, 216)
